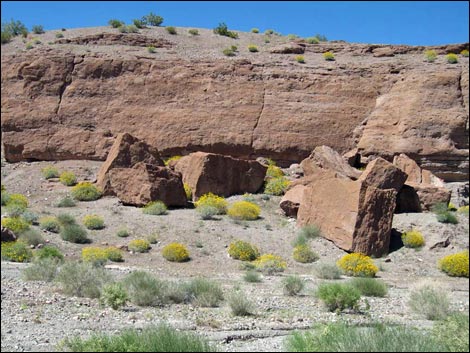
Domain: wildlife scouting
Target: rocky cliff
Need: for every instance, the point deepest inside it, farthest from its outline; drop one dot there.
(69, 99)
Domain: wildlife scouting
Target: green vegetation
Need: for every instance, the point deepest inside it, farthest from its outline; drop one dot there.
(114, 295)
(328, 271)
(270, 264)
(156, 208)
(85, 191)
(215, 201)
(413, 239)
(37, 29)
(252, 277)
(430, 55)
(93, 221)
(313, 40)
(193, 32)
(464, 53)
(203, 292)
(254, 30)
(49, 252)
(31, 237)
(228, 52)
(44, 269)
(116, 23)
(50, 172)
(443, 214)
(151, 49)
(310, 231)
(59, 35)
(292, 285)
(139, 23)
(338, 296)
(222, 30)
(152, 20)
(244, 210)
(95, 256)
(303, 254)
(276, 186)
(74, 233)
(452, 58)
(328, 56)
(252, 48)
(12, 29)
(15, 224)
(171, 30)
(68, 178)
(452, 333)
(240, 304)
(175, 252)
(300, 59)
(242, 250)
(370, 287)
(144, 289)
(16, 251)
(455, 265)
(139, 245)
(357, 265)
(82, 279)
(431, 302)
(66, 201)
(122, 233)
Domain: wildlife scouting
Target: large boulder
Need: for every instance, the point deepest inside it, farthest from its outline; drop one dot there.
(126, 152)
(355, 214)
(219, 174)
(292, 199)
(324, 157)
(8, 235)
(146, 182)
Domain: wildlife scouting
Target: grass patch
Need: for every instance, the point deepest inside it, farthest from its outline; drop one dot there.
(240, 304)
(338, 296)
(82, 279)
(429, 301)
(370, 287)
(292, 285)
(252, 277)
(327, 271)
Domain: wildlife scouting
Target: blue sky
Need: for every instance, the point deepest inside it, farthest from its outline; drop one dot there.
(392, 22)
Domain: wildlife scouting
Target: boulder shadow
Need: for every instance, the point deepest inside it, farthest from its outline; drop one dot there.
(395, 241)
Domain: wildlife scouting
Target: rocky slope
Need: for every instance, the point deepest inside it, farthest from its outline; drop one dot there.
(69, 98)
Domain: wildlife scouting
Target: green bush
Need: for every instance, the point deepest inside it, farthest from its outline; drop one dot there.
(193, 32)
(44, 269)
(131, 29)
(152, 238)
(338, 296)
(6, 37)
(412, 239)
(276, 186)
(31, 237)
(300, 59)
(447, 217)
(274, 172)
(68, 178)
(30, 217)
(93, 221)
(50, 172)
(74, 233)
(328, 56)
(300, 239)
(207, 212)
(151, 49)
(210, 199)
(430, 301)
(122, 233)
(114, 295)
(144, 289)
(452, 58)
(14, 28)
(328, 271)
(152, 20)
(252, 48)
(455, 265)
(82, 279)
(37, 29)
(357, 265)
(313, 40)
(49, 252)
(464, 53)
(66, 219)
(171, 30)
(242, 250)
(240, 304)
(59, 35)
(244, 210)
(222, 30)
(228, 52)
(270, 264)
(18, 200)
(5, 197)
(269, 32)
(303, 254)
(203, 292)
(430, 55)
(150, 339)
(85, 191)
(139, 245)
(252, 277)
(66, 201)
(175, 252)
(16, 251)
(95, 256)
(254, 30)
(292, 285)
(370, 287)
(310, 231)
(51, 224)
(452, 332)
(116, 23)
(155, 208)
(113, 254)
(139, 23)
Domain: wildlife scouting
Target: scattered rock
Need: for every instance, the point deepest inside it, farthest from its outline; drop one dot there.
(8, 235)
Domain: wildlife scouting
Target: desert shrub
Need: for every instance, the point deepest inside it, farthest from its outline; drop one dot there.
(429, 301)
(175, 252)
(15, 224)
(338, 296)
(59, 35)
(85, 191)
(193, 32)
(357, 265)
(31, 237)
(155, 208)
(144, 289)
(252, 48)
(370, 287)
(327, 271)
(447, 217)
(122, 233)
(82, 279)
(29, 46)
(14, 210)
(68, 178)
(49, 252)
(5, 197)
(451, 207)
(210, 199)
(152, 238)
(252, 277)
(321, 37)
(269, 31)
(114, 295)
(310, 231)
(222, 30)
(274, 171)
(228, 52)
(455, 265)
(412, 239)
(37, 29)
(50, 172)
(132, 29)
(464, 53)
(292, 285)
(6, 37)
(14, 28)
(300, 239)
(139, 23)
(452, 332)
(113, 254)
(254, 30)
(452, 58)
(173, 158)
(18, 200)
(116, 23)
(244, 210)
(270, 264)
(171, 29)
(152, 20)
(276, 186)
(66, 219)
(94, 255)
(266, 40)
(139, 245)
(204, 292)
(303, 254)
(329, 56)
(151, 339)
(30, 217)
(241, 250)
(122, 29)
(151, 49)
(74, 233)
(66, 201)
(340, 337)
(313, 40)
(240, 304)
(300, 59)
(16, 251)
(49, 223)
(36, 41)
(430, 55)
(93, 221)
(44, 269)
(463, 210)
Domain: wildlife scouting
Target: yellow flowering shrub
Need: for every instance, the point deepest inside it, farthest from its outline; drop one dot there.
(93, 221)
(212, 200)
(455, 265)
(97, 256)
(139, 245)
(16, 251)
(242, 250)
(18, 200)
(274, 171)
(463, 209)
(49, 172)
(68, 178)
(464, 53)
(452, 58)
(276, 186)
(269, 263)
(412, 239)
(430, 55)
(174, 158)
(188, 191)
(357, 265)
(328, 56)
(113, 254)
(15, 224)
(300, 59)
(85, 191)
(175, 252)
(244, 210)
(302, 253)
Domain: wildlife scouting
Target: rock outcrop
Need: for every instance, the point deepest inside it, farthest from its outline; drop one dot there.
(221, 175)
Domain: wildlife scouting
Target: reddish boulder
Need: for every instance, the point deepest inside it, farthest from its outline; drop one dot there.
(219, 174)
(126, 152)
(383, 175)
(292, 199)
(8, 235)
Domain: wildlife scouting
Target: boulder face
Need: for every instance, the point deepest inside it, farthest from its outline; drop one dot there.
(8, 235)
(355, 214)
(292, 199)
(126, 152)
(221, 175)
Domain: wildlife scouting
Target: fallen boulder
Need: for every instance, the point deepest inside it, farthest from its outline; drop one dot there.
(292, 199)
(8, 235)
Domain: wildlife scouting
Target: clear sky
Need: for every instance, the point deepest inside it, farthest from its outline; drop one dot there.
(389, 22)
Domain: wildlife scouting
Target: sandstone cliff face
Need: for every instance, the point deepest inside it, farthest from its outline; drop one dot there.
(64, 102)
